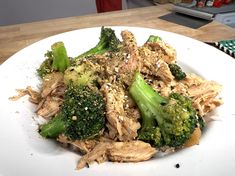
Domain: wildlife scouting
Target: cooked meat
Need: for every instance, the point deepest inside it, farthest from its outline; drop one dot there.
(161, 87)
(167, 89)
(49, 107)
(149, 61)
(180, 88)
(120, 126)
(98, 153)
(83, 146)
(208, 88)
(192, 80)
(51, 82)
(164, 72)
(131, 62)
(34, 96)
(204, 96)
(52, 93)
(165, 51)
(153, 65)
(133, 151)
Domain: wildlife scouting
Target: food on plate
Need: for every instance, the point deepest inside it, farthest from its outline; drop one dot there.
(121, 101)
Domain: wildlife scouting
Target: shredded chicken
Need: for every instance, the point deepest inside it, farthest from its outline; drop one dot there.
(120, 126)
(165, 51)
(83, 146)
(51, 82)
(203, 93)
(132, 62)
(154, 66)
(52, 93)
(133, 151)
(34, 96)
(49, 107)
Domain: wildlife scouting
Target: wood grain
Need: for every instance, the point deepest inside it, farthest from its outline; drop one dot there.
(15, 37)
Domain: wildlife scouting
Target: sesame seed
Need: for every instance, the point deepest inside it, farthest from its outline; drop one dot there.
(74, 118)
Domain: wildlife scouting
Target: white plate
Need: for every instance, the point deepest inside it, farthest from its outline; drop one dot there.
(24, 152)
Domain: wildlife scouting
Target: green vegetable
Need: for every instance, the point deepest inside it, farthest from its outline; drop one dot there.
(46, 66)
(177, 72)
(107, 42)
(165, 121)
(151, 134)
(54, 127)
(82, 74)
(60, 58)
(56, 60)
(82, 115)
(154, 38)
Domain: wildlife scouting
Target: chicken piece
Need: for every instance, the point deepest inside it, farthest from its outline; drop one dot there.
(49, 107)
(162, 88)
(192, 80)
(164, 72)
(120, 126)
(132, 151)
(153, 65)
(165, 52)
(34, 96)
(149, 60)
(51, 82)
(98, 153)
(181, 88)
(208, 88)
(204, 96)
(83, 146)
(52, 93)
(131, 62)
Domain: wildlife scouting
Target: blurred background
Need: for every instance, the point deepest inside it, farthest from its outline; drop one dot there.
(22, 11)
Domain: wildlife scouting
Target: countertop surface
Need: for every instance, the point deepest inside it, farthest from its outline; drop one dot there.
(15, 37)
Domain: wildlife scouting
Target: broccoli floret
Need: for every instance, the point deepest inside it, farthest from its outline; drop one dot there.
(107, 42)
(82, 115)
(46, 66)
(82, 74)
(154, 38)
(177, 72)
(174, 116)
(151, 134)
(56, 60)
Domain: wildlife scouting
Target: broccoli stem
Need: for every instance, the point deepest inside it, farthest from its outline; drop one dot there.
(96, 50)
(147, 100)
(60, 61)
(107, 42)
(53, 128)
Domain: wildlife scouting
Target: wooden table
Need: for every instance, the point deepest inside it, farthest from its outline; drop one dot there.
(15, 37)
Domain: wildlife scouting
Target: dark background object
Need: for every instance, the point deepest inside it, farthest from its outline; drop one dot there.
(185, 20)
